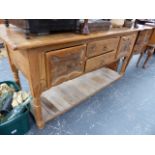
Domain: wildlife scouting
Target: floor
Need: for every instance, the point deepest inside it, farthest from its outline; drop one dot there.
(127, 107)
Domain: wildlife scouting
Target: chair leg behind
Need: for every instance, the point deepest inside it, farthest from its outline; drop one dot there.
(149, 55)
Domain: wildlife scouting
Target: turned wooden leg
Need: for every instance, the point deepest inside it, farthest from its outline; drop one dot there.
(36, 107)
(36, 104)
(16, 75)
(140, 57)
(13, 67)
(34, 83)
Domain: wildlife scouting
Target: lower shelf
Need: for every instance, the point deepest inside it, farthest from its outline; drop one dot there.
(63, 97)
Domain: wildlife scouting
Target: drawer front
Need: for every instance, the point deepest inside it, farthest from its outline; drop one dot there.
(65, 64)
(103, 46)
(99, 61)
(126, 45)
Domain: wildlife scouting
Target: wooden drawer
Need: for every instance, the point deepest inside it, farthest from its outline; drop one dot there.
(126, 45)
(99, 61)
(102, 46)
(65, 64)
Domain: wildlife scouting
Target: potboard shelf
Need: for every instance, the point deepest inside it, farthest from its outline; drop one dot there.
(63, 97)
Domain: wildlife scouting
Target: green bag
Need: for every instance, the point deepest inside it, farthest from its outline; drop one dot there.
(11, 84)
(17, 111)
(16, 122)
(3, 98)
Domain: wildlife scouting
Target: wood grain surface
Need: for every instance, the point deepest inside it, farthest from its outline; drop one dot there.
(63, 97)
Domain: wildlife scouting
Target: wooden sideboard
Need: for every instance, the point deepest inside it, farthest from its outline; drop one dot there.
(67, 68)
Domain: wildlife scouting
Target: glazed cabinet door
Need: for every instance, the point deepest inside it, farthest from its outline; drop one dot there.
(126, 44)
(65, 64)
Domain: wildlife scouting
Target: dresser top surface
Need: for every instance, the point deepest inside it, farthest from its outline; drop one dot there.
(15, 37)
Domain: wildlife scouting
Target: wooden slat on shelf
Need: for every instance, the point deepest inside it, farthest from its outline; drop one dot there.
(63, 97)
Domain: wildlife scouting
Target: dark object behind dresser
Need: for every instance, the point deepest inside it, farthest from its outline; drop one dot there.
(45, 26)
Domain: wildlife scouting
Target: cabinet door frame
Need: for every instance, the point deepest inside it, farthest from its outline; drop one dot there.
(62, 53)
(130, 38)
(142, 40)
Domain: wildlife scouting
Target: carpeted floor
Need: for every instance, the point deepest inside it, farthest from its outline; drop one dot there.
(125, 107)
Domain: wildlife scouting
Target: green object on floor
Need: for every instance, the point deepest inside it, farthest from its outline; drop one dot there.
(3, 98)
(12, 85)
(17, 126)
(16, 123)
(17, 111)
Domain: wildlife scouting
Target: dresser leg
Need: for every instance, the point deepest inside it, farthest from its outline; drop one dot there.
(35, 85)
(38, 113)
(149, 55)
(13, 68)
(36, 105)
(16, 75)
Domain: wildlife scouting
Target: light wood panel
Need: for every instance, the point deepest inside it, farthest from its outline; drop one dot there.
(142, 41)
(126, 45)
(152, 39)
(95, 48)
(65, 64)
(63, 97)
(100, 61)
(20, 60)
